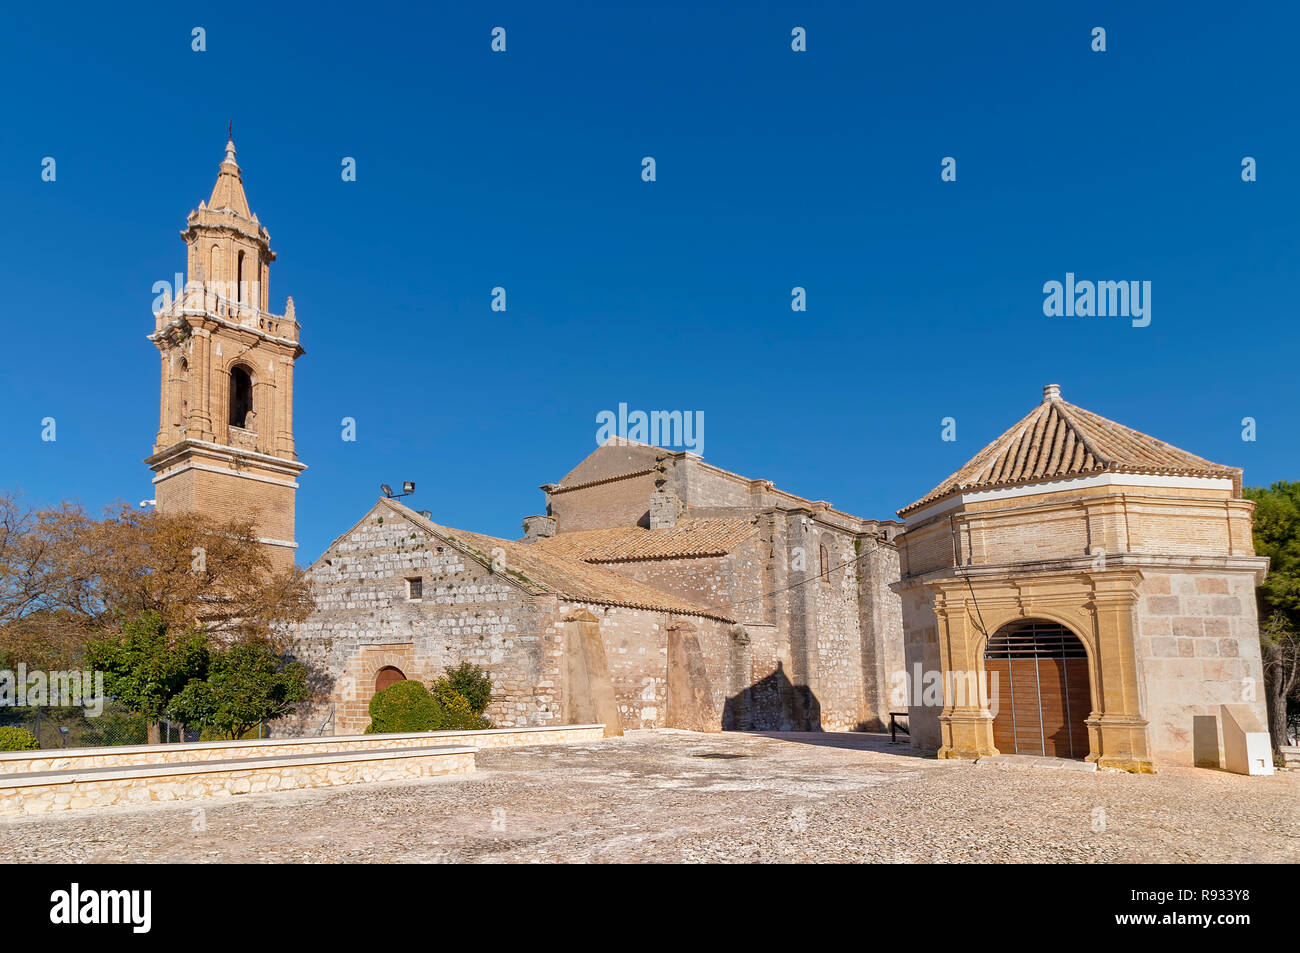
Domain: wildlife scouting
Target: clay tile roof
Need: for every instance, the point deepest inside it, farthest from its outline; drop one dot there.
(689, 538)
(1058, 440)
(539, 571)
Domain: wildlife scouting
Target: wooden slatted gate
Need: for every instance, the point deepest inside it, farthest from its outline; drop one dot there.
(1042, 686)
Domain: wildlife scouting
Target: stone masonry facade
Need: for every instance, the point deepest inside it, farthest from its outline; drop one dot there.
(742, 608)
(1140, 551)
(1198, 648)
(366, 621)
(810, 585)
(658, 590)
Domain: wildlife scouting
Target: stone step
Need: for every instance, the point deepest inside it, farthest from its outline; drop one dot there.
(1037, 761)
(45, 792)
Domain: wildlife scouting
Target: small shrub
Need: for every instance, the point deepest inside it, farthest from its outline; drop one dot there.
(17, 739)
(471, 682)
(405, 706)
(458, 713)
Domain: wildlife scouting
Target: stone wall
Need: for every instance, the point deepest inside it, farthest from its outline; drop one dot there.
(836, 638)
(124, 756)
(883, 650)
(1061, 520)
(619, 502)
(920, 655)
(365, 621)
(1198, 648)
(105, 787)
(636, 653)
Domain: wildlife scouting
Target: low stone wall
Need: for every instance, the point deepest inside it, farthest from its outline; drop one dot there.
(50, 791)
(68, 759)
(520, 737)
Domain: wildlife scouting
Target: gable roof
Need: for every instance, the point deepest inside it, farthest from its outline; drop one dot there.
(1058, 440)
(690, 538)
(616, 459)
(538, 571)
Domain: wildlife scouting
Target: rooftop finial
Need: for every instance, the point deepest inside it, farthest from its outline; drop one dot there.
(1051, 392)
(230, 143)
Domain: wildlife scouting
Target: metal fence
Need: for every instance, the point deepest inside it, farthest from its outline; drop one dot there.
(71, 727)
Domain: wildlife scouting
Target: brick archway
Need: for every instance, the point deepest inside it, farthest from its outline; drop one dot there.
(360, 680)
(1098, 608)
(1039, 689)
(388, 675)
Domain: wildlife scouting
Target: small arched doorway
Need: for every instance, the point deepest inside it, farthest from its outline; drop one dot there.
(388, 675)
(1043, 694)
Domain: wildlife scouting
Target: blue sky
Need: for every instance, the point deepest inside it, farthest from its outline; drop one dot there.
(522, 169)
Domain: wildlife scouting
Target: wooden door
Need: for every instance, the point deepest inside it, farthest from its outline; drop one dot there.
(1042, 691)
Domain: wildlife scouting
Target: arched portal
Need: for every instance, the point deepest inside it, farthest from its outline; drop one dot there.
(1042, 691)
(386, 676)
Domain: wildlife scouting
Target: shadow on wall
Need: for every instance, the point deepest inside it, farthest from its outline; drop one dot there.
(773, 703)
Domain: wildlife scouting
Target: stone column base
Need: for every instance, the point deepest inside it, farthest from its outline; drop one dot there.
(1119, 741)
(1132, 765)
(967, 734)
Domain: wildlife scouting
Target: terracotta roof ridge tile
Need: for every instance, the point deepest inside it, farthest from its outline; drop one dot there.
(1057, 440)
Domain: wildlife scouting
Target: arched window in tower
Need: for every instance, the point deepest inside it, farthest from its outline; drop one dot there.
(241, 397)
(185, 398)
(826, 565)
(214, 264)
(239, 279)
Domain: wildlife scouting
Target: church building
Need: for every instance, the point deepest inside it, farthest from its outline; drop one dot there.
(655, 591)
(1077, 590)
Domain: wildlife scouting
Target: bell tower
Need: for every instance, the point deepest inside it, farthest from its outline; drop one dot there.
(225, 432)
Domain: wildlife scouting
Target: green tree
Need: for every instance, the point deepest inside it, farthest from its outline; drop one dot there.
(246, 683)
(472, 682)
(145, 666)
(1277, 536)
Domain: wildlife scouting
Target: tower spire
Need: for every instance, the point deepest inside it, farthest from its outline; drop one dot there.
(228, 193)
